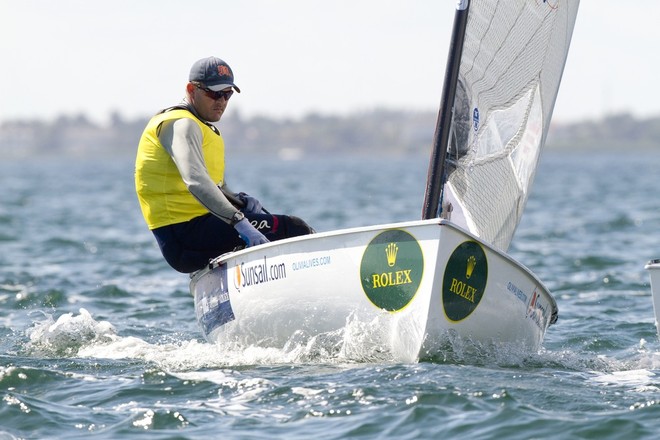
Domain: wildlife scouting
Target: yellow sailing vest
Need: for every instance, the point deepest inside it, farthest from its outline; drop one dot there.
(163, 196)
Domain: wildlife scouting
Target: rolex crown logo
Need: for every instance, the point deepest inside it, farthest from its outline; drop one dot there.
(391, 251)
(471, 262)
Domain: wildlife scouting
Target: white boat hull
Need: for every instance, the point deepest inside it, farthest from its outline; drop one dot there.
(414, 286)
(653, 267)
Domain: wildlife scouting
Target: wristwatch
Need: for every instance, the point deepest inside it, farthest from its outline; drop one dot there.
(237, 217)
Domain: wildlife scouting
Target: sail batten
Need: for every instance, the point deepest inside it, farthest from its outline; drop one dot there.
(511, 63)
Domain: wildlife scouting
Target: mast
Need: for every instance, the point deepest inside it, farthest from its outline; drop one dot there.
(436, 175)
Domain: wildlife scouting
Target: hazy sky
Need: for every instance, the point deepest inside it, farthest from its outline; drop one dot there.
(292, 56)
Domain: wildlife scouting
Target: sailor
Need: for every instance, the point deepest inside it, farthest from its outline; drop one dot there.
(180, 179)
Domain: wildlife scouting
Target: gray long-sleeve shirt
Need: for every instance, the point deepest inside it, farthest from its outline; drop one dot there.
(182, 139)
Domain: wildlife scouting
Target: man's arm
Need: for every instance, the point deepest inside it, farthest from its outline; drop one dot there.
(182, 139)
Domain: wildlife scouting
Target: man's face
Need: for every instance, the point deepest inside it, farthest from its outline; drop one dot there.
(210, 105)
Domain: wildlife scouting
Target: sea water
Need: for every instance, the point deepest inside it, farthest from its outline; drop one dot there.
(99, 338)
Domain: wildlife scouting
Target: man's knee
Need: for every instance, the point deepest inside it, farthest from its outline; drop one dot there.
(297, 226)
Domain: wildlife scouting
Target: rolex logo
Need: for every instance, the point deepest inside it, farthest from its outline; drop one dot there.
(391, 251)
(392, 286)
(471, 262)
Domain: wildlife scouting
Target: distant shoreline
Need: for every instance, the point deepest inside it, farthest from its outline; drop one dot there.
(391, 133)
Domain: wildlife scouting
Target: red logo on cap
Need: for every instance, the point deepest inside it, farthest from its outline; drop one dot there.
(223, 71)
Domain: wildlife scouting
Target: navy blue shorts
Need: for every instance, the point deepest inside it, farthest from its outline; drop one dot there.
(189, 246)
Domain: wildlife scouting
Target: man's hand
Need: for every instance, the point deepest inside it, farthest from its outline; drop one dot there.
(249, 234)
(252, 205)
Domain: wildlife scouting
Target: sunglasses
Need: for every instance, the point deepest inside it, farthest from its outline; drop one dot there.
(215, 95)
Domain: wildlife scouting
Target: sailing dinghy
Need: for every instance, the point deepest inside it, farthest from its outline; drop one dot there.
(416, 286)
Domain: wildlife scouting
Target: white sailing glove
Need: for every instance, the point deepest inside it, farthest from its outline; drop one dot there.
(249, 234)
(252, 205)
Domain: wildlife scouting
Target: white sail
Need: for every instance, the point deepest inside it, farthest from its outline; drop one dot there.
(512, 61)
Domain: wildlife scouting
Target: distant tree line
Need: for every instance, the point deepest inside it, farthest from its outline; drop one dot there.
(381, 132)
(617, 131)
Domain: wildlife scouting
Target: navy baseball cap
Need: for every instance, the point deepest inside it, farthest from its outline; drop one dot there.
(213, 73)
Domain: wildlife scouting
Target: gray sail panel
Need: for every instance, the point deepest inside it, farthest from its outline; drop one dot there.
(512, 61)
